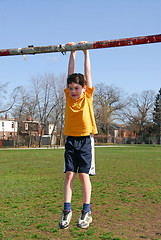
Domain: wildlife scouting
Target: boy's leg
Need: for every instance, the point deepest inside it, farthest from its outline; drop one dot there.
(86, 187)
(68, 186)
(68, 189)
(85, 217)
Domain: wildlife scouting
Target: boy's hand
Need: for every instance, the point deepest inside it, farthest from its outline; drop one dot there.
(71, 43)
(81, 42)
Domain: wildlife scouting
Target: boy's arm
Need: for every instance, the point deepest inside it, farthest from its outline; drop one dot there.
(87, 67)
(71, 65)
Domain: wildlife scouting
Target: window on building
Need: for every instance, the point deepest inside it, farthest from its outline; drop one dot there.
(26, 126)
(12, 124)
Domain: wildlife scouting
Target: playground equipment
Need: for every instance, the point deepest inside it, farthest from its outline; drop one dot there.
(63, 48)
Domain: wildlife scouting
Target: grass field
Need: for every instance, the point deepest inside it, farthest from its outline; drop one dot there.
(126, 195)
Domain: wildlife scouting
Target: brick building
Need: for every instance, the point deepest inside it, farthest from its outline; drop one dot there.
(8, 128)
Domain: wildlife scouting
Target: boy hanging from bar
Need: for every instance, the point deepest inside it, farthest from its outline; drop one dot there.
(79, 147)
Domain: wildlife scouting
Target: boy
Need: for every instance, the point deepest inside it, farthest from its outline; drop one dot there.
(79, 146)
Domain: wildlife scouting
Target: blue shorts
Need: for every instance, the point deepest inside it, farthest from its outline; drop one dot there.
(79, 155)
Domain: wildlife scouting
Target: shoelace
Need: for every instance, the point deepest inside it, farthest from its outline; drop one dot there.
(65, 215)
(83, 215)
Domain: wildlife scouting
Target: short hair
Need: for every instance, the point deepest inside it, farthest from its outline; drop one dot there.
(77, 78)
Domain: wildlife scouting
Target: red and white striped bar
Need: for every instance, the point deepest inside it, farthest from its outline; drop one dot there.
(89, 45)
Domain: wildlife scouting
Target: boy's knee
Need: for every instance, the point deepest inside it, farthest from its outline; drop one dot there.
(70, 176)
(83, 177)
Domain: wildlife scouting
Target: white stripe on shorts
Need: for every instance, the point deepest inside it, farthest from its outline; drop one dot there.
(92, 169)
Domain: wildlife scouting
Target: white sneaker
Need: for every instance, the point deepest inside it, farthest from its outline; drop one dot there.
(65, 219)
(84, 220)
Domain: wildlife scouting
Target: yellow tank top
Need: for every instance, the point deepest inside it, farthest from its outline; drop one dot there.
(79, 114)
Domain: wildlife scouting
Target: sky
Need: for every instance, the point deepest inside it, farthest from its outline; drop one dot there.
(133, 69)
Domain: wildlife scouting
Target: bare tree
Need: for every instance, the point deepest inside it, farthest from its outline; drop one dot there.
(139, 112)
(19, 109)
(43, 101)
(6, 104)
(107, 105)
(45, 93)
(59, 111)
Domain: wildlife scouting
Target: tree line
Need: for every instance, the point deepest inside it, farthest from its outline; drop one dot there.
(44, 101)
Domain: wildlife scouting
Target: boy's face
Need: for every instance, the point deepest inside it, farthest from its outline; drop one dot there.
(76, 90)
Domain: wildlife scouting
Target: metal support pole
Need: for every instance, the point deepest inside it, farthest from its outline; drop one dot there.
(89, 45)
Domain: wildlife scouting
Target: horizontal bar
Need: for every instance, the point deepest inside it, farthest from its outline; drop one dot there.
(88, 45)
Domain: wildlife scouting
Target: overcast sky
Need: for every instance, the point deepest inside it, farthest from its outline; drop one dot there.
(51, 22)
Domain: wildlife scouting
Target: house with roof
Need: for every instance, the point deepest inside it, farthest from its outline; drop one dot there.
(8, 128)
(117, 134)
